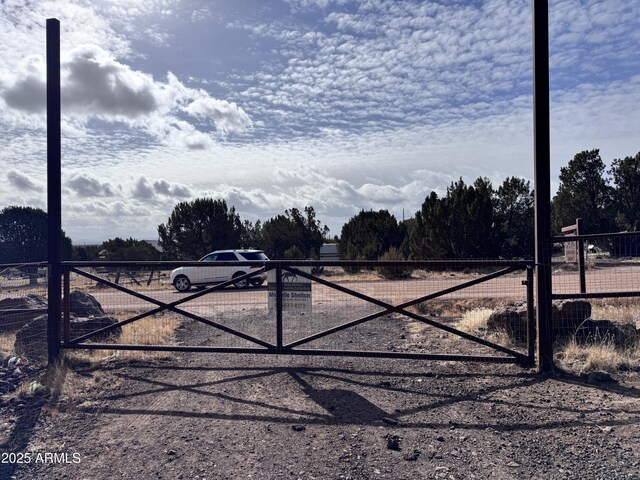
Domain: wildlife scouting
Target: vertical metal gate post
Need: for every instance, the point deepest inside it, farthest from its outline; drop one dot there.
(66, 306)
(54, 191)
(531, 326)
(279, 341)
(583, 278)
(542, 182)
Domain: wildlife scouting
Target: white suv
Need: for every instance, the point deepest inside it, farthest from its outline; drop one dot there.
(183, 278)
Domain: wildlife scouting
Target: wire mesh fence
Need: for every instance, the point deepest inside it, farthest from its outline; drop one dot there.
(23, 309)
(396, 309)
(447, 309)
(596, 293)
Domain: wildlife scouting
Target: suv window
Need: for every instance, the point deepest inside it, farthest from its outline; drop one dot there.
(226, 257)
(209, 258)
(254, 256)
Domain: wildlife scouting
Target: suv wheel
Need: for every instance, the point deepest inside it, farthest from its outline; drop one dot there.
(240, 283)
(182, 283)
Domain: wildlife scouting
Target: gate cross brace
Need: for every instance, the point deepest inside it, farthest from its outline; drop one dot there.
(401, 309)
(162, 306)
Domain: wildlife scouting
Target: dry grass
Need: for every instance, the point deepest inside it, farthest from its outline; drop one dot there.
(160, 280)
(339, 274)
(622, 310)
(149, 331)
(7, 341)
(158, 330)
(502, 338)
(475, 321)
(458, 307)
(602, 356)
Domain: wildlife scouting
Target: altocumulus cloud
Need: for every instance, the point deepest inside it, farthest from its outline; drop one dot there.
(96, 85)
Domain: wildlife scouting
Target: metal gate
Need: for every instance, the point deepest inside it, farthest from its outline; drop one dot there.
(339, 308)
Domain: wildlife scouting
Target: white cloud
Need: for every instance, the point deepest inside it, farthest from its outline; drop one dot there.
(143, 190)
(148, 189)
(27, 90)
(226, 116)
(22, 182)
(162, 187)
(85, 185)
(338, 104)
(333, 199)
(95, 85)
(201, 14)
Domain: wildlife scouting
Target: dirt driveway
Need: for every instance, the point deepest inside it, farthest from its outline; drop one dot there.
(203, 416)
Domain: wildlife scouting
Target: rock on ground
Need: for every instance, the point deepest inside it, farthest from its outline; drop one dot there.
(84, 305)
(10, 322)
(569, 318)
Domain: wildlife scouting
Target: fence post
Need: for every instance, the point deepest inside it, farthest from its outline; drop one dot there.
(54, 191)
(542, 182)
(531, 318)
(279, 342)
(66, 306)
(583, 279)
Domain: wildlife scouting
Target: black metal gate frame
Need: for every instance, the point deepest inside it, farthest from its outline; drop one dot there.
(280, 348)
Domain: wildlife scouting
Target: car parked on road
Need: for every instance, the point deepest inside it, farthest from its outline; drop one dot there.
(183, 278)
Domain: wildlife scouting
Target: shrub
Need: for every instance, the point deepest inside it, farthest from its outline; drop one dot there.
(293, 253)
(393, 272)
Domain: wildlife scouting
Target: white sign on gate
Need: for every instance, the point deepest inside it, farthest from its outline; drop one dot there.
(296, 291)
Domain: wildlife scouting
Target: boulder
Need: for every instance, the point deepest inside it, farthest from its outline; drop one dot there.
(31, 339)
(512, 319)
(84, 305)
(82, 326)
(566, 317)
(10, 322)
(621, 334)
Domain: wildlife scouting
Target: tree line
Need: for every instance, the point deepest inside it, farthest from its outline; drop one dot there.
(205, 224)
(473, 220)
(469, 221)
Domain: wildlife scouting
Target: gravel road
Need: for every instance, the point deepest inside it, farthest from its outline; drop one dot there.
(203, 416)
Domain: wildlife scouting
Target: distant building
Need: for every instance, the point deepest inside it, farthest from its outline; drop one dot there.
(329, 252)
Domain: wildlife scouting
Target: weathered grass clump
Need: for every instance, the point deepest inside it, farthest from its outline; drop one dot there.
(475, 321)
(457, 307)
(622, 310)
(597, 356)
(146, 331)
(7, 342)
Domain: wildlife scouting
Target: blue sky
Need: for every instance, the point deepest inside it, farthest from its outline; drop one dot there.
(342, 105)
